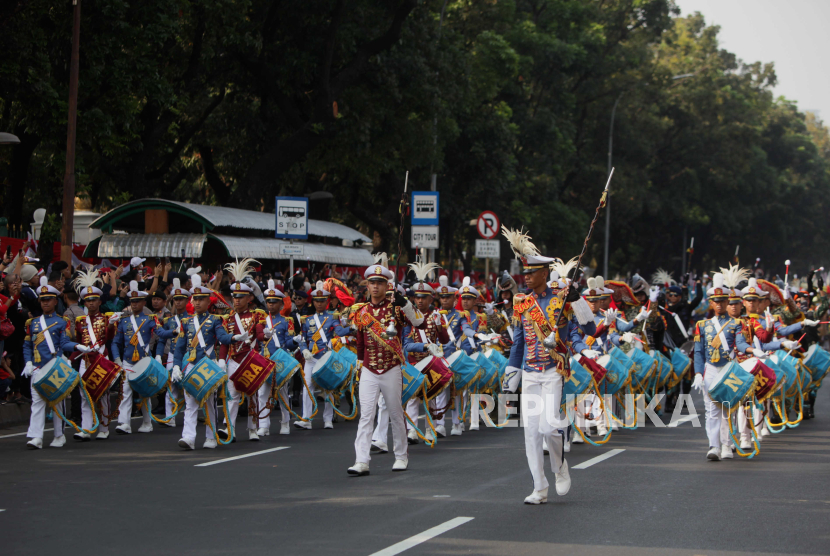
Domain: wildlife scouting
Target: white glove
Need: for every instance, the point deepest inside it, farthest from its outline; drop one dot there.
(82, 348)
(768, 319)
(789, 344)
(307, 355)
(436, 318)
(698, 382)
(298, 338)
(610, 316)
(786, 293)
(344, 321)
(28, 369)
(176, 375)
(590, 353)
(241, 337)
(158, 358)
(629, 337)
(642, 315)
(115, 317)
(512, 379)
(117, 361)
(268, 333)
(488, 308)
(435, 350)
(221, 364)
(808, 322)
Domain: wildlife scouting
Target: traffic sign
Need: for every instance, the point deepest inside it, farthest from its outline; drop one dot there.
(292, 249)
(424, 208)
(488, 249)
(488, 224)
(292, 218)
(424, 237)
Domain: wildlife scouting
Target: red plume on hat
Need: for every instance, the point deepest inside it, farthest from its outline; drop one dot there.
(343, 294)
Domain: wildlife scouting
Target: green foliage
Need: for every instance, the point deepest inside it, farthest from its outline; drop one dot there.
(509, 103)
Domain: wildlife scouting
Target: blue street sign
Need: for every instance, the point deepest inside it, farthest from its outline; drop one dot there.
(424, 208)
(291, 218)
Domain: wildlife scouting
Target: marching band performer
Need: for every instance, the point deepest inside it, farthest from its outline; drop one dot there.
(539, 359)
(168, 332)
(275, 332)
(716, 341)
(455, 327)
(380, 355)
(131, 343)
(241, 324)
(315, 340)
(469, 328)
(94, 331)
(199, 335)
(46, 336)
(419, 343)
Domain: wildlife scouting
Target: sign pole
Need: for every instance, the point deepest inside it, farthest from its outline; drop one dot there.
(291, 260)
(486, 270)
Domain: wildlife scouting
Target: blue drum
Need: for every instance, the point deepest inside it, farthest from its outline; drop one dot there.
(733, 384)
(788, 366)
(203, 379)
(643, 365)
(331, 373)
(664, 367)
(465, 371)
(349, 356)
(680, 363)
(413, 382)
(616, 375)
(489, 376)
(499, 360)
(55, 380)
(147, 378)
(285, 368)
(817, 361)
(579, 381)
(619, 355)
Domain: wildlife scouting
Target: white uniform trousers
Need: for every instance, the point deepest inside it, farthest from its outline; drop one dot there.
(125, 410)
(285, 416)
(87, 412)
(262, 395)
(743, 423)
(308, 403)
(440, 402)
(413, 409)
(372, 385)
(235, 396)
(191, 413)
(460, 409)
(37, 419)
(542, 420)
(175, 389)
(717, 425)
(381, 432)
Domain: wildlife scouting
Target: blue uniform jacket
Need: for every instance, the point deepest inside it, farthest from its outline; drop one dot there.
(283, 331)
(705, 335)
(121, 346)
(58, 330)
(213, 332)
(458, 323)
(331, 327)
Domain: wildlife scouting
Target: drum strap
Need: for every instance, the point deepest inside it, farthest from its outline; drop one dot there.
(423, 334)
(722, 336)
(242, 328)
(137, 334)
(320, 329)
(199, 331)
(178, 323)
(47, 335)
(449, 329)
(275, 337)
(92, 338)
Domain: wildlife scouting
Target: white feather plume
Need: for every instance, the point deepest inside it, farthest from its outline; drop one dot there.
(519, 242)
(662, 278)
(717, 280)
(444, 280)
(177, 284)
(600, 283)
(592, 283)
(382, 259)
(465, 281)
(194, 270)
(86, 279)
(241, 269)
(564, 268)
(271, 285)
(422, 269)
(734, 275)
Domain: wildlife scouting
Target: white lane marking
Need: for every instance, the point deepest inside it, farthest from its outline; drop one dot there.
(50, 430)
(242, 457)
(682, 420)
(422, 537)
(596, 460)
(441, 496)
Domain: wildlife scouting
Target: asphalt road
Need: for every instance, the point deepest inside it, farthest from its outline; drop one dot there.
(143, 495)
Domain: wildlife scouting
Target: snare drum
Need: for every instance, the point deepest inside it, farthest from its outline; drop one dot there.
(437, 373)
(284, 367)
(789, 366)
(252, 373)
(680, 363)
(413, 381)
(489, 375)
(627, 363)
(331, 371)
(203, 379)
(597, 370)
(643, 365)
(578, 382)
(764, 377)
(348, 355)
(99, 376)
(732, 385)
(499, 360)
(817, 361)
(664, 367)
(464, 370)
(148, 377)
(55, 380)
(616, 374)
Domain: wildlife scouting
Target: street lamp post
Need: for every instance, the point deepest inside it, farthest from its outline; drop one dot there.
(69, 176)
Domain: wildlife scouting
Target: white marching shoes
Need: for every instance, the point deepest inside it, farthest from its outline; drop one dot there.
(537, 497)
(262, 431)
(746, 444)
(725, 452)
(379, 447)
(210, 444)
(359, 469)
(83, 436)
(400, 465)
(58, 442)
(187, 443)
(563, 479)
(303, 425)
(328, 425)
(146, 427)
(285, 428)
(713, 454)
(442, 432)
(412, 436)
(103, 434)
(124, 429)
(252, 435)
(456, 430)
(35, 444)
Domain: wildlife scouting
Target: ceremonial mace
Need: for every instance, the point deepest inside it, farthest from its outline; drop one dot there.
(602, 200)
(391, 330)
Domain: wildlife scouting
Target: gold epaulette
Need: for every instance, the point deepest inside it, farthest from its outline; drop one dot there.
(82, 317)
(260, 312)
(66, 319)
(302, 318)
(28, 322)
